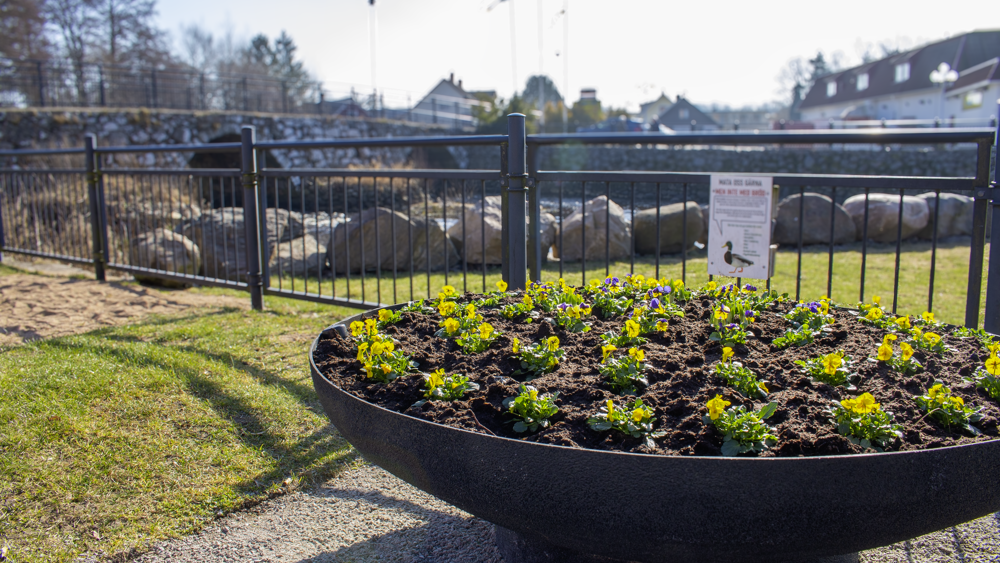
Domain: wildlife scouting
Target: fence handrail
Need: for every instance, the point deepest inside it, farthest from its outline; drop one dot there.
(823, 136)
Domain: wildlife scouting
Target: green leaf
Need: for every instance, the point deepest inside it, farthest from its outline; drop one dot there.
(768, 410)
(520, 426)
(730, 448)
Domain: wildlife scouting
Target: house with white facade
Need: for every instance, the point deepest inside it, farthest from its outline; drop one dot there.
(900, 86)
(685, 116)
(652, 110)
(447, 104)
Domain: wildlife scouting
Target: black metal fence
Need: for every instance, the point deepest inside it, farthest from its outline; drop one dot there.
(364, 237)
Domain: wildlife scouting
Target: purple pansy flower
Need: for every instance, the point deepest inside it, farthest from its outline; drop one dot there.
(563, 306)
(654, 304)
(749, 287)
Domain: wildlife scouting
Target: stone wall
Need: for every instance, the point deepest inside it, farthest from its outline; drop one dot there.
(39, 128)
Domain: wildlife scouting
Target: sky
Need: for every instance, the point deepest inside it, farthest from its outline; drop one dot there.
(723, 52)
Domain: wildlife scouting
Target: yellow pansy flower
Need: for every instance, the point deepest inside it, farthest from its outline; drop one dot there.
(993, 347)
(436, 379)
(905, 351)
(865, 404)
(377, 349)
(888, 338)
(763, 387)
(502, 286)
(936, 391)
(727, 353)
(361, 350)
(721, 315)
(717, 406)
(470, 310)
(927, 316)
(631, 328)
(711, 285)
(932, 338)
(356, 328)
(606, 351)
(902, 322)
(527, 301)
(611, 407)
(876, 299)
(833, 361)
(958, 402)
(451, 325)
(874, 314)
(446, 308)
(485, 330)
(553, 343)
(849, 404)
(638, 414)
(448, 291)
(637, 353)
(386, 369)
(516, 347)
(384, 314)
(884, 352)
(533, 394)
(993, 365)
(368, 371)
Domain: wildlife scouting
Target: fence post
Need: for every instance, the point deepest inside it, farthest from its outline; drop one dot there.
(265, 250)
(536, 254)
(96, 231)
(156, 101)
(992, 321)
(513, 213)
(41, 85)
(980, 192)
(250, 217)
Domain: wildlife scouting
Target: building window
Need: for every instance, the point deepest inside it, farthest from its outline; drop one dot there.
(862, 82)
(902, 72)
(831, 89)
(973, 100)
(683, 113)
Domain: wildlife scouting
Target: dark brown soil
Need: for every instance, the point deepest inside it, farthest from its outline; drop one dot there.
(681, 380)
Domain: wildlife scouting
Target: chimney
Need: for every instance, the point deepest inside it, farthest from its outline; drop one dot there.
(460, 83)
(451, 78)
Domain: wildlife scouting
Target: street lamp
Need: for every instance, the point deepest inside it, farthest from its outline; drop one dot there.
(944, 75)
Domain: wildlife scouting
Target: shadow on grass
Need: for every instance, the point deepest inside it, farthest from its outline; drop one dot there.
(251, 426)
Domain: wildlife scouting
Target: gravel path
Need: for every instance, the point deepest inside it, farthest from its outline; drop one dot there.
(366, 515)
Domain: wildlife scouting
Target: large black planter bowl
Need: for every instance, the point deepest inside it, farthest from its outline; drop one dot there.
(650, 508)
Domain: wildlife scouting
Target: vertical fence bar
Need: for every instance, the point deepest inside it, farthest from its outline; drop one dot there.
(504, 227)
(934, 235)
(514, 218)
(833, 223)
(864, 247)
(561, 248)
(465, 243)
(657, 257)
(978, 247)
(392, 228)
(992, 321)
(631, 267)
(3, 193)
(265, 250)
(798, 268)
(534, 216)
(90, 144)
(250, 219)
(899, 244)
(607, 229)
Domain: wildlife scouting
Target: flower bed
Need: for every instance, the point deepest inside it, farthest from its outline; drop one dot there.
(648, 366)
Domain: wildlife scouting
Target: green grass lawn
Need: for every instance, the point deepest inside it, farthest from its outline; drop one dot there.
(950, 283)
(122, 436)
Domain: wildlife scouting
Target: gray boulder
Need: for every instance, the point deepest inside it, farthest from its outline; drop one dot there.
(604, 224)
(672, 228)
(221, 236)
(431, 245)
(815, 223)
(483, 223)
(303, 256)
(883, 215)
(954, 217)
(164, 250)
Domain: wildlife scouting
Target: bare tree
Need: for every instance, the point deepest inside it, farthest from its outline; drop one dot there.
(128, 34)
(22, 30)
(75, 21)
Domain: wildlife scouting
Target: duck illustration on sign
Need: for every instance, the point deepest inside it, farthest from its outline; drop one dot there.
(735, 260)
(740, 208)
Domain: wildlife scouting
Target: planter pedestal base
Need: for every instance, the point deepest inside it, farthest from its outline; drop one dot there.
(516, 548)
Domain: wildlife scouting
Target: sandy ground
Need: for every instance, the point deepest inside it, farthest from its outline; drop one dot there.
(34, 307)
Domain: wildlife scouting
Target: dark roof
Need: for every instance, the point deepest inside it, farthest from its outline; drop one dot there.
(671, 117)
(960, 52)
(981, 73)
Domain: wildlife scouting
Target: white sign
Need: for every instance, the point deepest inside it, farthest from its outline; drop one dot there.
(739, 234)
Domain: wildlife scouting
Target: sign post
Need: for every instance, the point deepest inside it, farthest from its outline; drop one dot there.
(739, 235)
